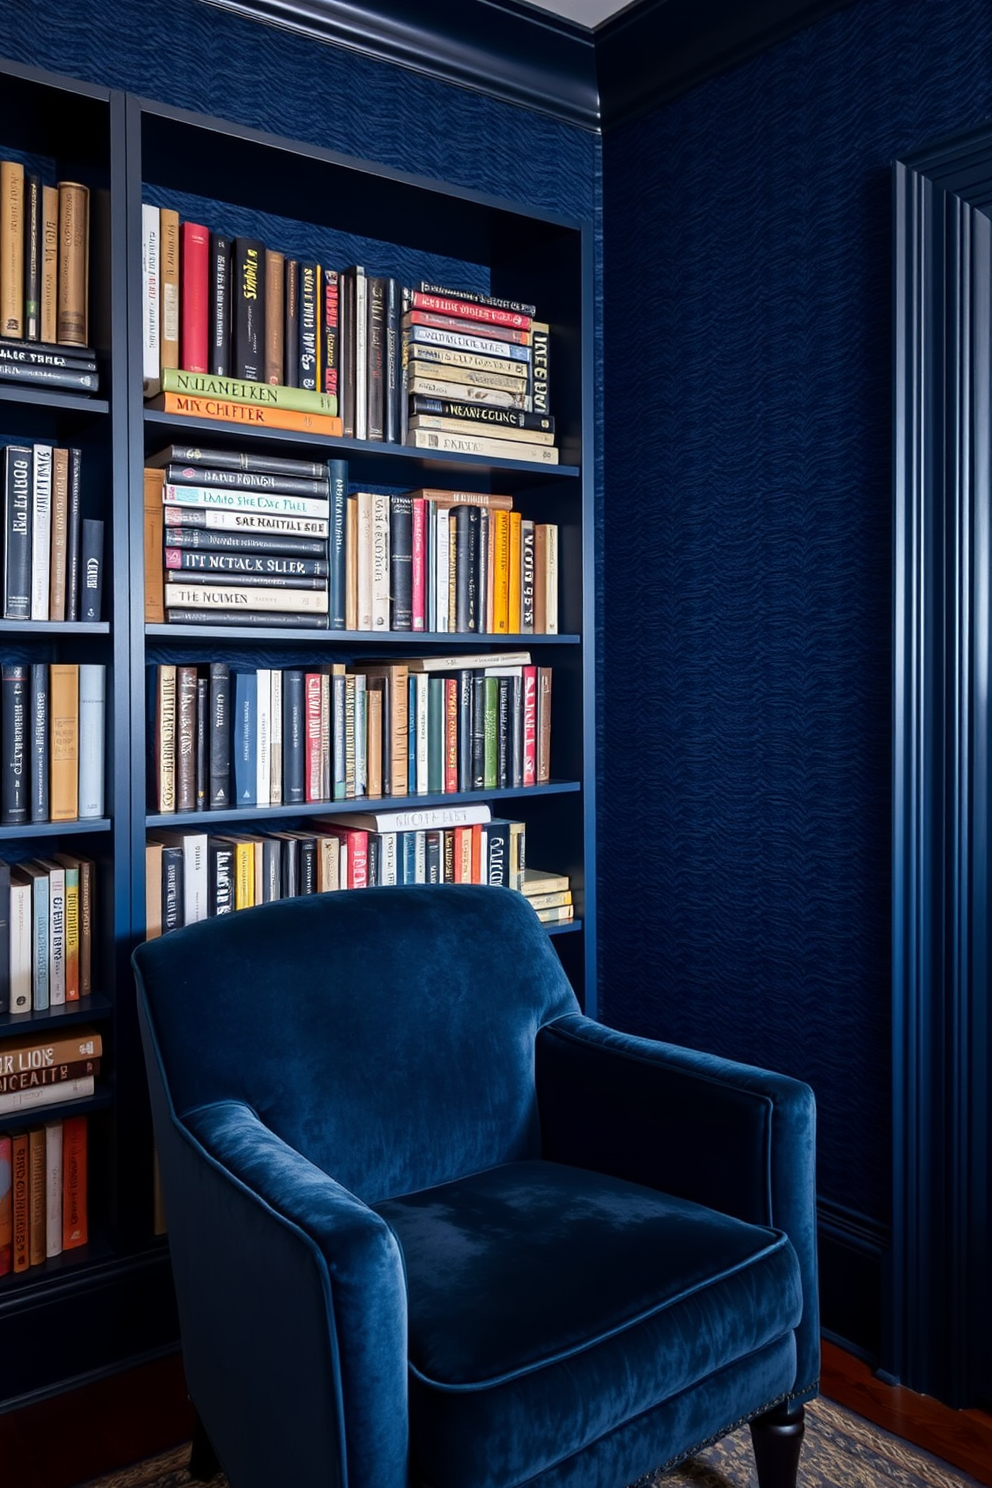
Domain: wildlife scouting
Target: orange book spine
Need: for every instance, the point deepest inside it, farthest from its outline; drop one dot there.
(513, 583)
(501, 573)
(37, 1169)
(154, 546)
(227, 411)
(75, 1225)
(20, 1147)
(64, 683)
(476, 855)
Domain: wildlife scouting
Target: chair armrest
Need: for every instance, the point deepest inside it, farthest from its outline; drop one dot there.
(293, 1306)
(738, 1139)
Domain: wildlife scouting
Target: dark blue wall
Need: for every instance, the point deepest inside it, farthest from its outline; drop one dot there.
(745, 891)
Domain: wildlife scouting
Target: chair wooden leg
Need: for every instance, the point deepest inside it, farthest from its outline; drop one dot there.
(777, 1438)
(203, 1464)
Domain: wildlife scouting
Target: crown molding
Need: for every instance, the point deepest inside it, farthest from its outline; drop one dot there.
(502, 48)
(656, 50)
(645, 56)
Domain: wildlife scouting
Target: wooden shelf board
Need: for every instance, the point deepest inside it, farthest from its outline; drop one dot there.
(38, 1115)
(482, 641)
(361, 803)
(44, 397)
(184, 424)
(50, 1020)
(54, 829)
(28, 628)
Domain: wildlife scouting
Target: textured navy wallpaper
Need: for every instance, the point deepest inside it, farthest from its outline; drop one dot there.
(745, 882)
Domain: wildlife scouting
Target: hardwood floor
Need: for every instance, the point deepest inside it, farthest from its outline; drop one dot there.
(71, 1438)
(962, 1438)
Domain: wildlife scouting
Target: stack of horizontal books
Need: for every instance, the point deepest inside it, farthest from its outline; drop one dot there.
(477, 376)
(44, 283)
(550, 894)
(238, 539)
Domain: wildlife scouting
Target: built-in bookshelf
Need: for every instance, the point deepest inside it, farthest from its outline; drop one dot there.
(315, 203)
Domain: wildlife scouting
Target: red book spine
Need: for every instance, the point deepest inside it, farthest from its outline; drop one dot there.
(195, 296)
(450, 735)
(315, 773)
(332, 313)
(477, 854)
(21, 1196)
(75, 1228)
(356, 855)
(419, 550)
(465, 310)
(530, 725)
(6, 1208)
(452, 323)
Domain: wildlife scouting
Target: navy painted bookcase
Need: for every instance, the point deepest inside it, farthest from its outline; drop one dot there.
(111, 1302)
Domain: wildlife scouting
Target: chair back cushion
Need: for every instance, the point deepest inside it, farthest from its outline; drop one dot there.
(387, 1034)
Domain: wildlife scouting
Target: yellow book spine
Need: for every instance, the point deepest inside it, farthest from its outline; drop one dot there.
(513, 586)
(64, 683)
(244, 875)
(169, 270)
(501, 573)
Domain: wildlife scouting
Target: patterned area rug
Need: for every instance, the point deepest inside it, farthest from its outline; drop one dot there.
(840, 1451)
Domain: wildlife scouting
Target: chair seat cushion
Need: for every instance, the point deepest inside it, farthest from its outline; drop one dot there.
(543, 1293)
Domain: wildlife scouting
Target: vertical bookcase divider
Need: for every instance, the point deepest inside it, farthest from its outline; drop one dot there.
(114, 1304)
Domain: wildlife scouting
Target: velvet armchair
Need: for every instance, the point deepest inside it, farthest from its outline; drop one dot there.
(433, 1228)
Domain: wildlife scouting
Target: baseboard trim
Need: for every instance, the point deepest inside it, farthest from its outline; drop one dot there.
(852, 1251)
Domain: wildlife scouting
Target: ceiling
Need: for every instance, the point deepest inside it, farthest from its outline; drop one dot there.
(589, 13)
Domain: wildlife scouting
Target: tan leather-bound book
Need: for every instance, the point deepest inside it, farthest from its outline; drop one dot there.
(64, 685)
(49, 263)
(373, 742)
(36, 1195)
(169, 279)
(154, 548)
(74, 263)
(540, 578)
(275, 278)
(11, 249)
(60, 533)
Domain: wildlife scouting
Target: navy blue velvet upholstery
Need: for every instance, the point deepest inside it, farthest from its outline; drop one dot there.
(434, 1227)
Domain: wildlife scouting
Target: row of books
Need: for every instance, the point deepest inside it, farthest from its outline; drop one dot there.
(268, 515)
(44, 282)
(192, 876)
(47, 919)
(52, 731)
(234, 330)
(52, 555)
(43, 1193)
(332, 733)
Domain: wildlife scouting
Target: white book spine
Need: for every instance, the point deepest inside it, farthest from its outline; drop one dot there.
(551, 580)
(151, 285)
(421, 683)
(254, 522)
(443, 530)
(41, 532)
(364, 545)
(53, 1183)
(240, 597)
(420, 858)
(380, 562)
(471, 444)
(263, 736)
(265, 503)
(92, 734)
(47, 1095)
(21, 932)
(195, 904)
(361, 355)
(40, 973)
(275, 740)
(56, 937)
(387, 858)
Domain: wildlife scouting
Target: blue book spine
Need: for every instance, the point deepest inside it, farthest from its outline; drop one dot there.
(245, 724)
(337, 475)
(408, 860)
(40, 942)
